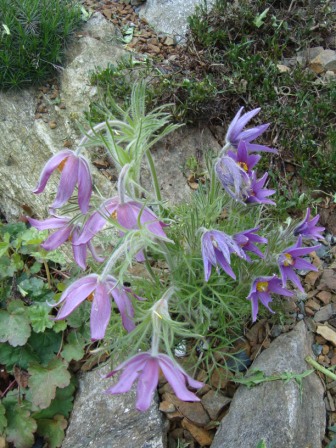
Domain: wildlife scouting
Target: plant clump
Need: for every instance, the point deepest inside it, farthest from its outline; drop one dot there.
(33, 36)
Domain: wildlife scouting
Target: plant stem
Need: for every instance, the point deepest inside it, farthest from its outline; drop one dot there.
(154, 177)
(320, 368)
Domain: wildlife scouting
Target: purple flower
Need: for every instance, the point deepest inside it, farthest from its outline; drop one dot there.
(67, 231)
(233, 178)
(242, 157)
(98, 291)
(261, 289)
(290, 259)
(308, 229)
(236, 133)
(145, 368)
(127, 216)
(258, 194)
(74, 170)
(216, 250)
(246, 239)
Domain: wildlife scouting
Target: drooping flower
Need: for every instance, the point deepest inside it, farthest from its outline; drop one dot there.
(261, 289)
(233, 178)
(216, 249)
(74, 171)
(290, 259)
(308, 229)
(246, 240)
(236, 133)
(67, 231)
(145, 368)
(127, 214)
(258, 194)
(99, 291)
(242, 157)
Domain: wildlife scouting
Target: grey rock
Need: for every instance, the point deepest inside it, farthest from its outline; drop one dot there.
(170, 16)
(111, 421)
(27, 143)
(275, 411)
(325, 313)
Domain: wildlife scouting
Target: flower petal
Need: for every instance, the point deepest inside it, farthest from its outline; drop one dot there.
(84, 185)
(49, 168)
(74, 299)
(125, 307)
(147, 384)
(49, 223)
(57, 238)
(69, 177)
(100, 312)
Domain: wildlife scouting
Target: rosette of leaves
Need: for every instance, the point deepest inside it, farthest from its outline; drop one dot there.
(33, 34)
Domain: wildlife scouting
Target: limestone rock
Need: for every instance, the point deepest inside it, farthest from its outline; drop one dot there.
(324, 61)
(170, 16)
(327, 333)
(274, 411)
(111, 421)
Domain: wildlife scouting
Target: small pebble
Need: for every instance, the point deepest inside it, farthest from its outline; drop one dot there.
(52, 124)
(317, 349)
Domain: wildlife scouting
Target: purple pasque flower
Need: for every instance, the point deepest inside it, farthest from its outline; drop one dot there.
(308, 229)
(145, 368)
(67, 231)
(236, 133)
(99, 292)
(246, 240)
(74, 171)
(290, 259)
(127, 214)
(258, 194)
(216, 249)
(233, 178)
(261, 289)
(242, 157)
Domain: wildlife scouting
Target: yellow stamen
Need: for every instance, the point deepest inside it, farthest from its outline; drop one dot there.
(90, 297)
(243, 165)
(114, 215)
(262, 286)
(289, 260)
(62, 164)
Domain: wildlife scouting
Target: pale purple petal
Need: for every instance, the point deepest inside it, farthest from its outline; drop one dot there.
(303, 264)
(57, 238)
(87, 280)
(79, 252)
(135, 363)
(125, 307)
(94, 253)
(224, 265)
(73, 299)
(49, 168)
(100, 312)
(253, 133)
(261, 148)
(84, 185)
(49, 223)
(147, 384)
(69, 177)
(290, 274)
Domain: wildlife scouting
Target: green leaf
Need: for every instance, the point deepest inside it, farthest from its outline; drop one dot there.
(259, 20)
(74, 349)
(54, 375)
(3, 420)
(261, 444)
(19, 356)
(3, 248)
(35, 268)
(61, 404)
(20, 426)
(14, 325)
(52, 430)
(45, 344)
(39, 317)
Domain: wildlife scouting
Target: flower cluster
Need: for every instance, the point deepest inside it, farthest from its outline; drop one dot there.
(140, 228)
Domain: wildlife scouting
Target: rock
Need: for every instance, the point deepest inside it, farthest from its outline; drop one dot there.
(111, 421)
(275, 411)
(170, 16)
(312, 277)
(324, 296)
(193, 411)
(325, 313)
(283, 68)
(309, 54)
(201, 435)
(214, 402)
(328, 280)
(327, 333)
(326, 60)
(28, 143)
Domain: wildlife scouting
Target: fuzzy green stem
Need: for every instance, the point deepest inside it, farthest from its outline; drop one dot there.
(154, 176)
(320, 368)
(122, 183)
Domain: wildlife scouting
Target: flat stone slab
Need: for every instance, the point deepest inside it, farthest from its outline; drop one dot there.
(275, 411)
(99, 420)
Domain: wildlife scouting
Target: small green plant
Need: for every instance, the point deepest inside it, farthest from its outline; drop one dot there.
(33, 36)
(37, 387)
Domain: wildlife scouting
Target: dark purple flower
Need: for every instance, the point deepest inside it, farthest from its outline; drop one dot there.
(233, 178)
(74, 171)
(290, 259)
(308, 229)
(246, 240)
(99, 292)
(67, 231)
(258, 194)
(242, 157)
(236, 133)
(145, 368)
(216, 250)
(261, 289)
(128, 215)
